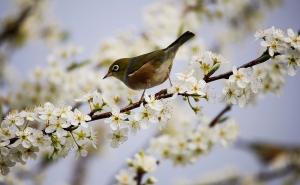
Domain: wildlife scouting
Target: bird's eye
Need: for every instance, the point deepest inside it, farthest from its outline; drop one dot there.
(115, 68)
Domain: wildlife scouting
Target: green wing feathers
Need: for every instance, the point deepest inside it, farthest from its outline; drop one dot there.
(158, 57)
(137, 62)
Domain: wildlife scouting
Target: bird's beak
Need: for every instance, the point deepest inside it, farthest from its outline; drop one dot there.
(107, 75)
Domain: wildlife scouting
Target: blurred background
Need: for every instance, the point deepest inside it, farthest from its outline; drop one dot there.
(89, 23)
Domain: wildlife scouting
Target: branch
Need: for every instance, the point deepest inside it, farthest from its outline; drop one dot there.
(264, 176)
(261, 177)
(263, 58)
(139, 177)
(267, 152)
(217, 119)
(163, 93)
(13, 28)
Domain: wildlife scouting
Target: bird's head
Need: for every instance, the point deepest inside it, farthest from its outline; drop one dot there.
(118, 69)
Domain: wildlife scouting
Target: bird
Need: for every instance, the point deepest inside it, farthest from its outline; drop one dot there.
(147, 70)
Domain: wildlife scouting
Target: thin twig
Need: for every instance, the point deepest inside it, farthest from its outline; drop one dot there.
(263, 58)
(13, 29)
(261, 176)
(264, 176)
(219, 116)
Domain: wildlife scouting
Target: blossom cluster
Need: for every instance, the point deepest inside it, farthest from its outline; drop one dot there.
(245, 84)
(207, 63)
(153, 111)
(138, 167)
(186, 149)
(45, 129)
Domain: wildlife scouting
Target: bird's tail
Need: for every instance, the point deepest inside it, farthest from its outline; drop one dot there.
(181, 40)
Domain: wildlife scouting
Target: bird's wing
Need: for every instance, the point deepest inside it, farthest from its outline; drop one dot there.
(136, 63)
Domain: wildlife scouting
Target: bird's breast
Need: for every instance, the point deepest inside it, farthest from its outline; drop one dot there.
(149, 75)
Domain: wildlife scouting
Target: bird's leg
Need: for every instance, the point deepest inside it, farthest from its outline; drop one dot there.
(142, 97)
(170, 81)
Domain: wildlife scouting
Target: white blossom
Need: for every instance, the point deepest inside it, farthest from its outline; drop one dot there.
(293, 39)
(145, 116)
(117, 119)
(231, 93)
(226, 133)
(153, 103)
(47, 112)
(144, 162)
(240, 77)
(13, 118)
(80, 118)
(24, 137)
(125, 178)
(198, 87)
(118, 137)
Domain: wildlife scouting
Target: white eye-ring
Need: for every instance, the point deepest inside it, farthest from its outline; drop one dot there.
(115, 68)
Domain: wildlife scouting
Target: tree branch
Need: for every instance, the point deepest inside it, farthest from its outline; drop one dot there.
(264, 176)
(261, 177)
(263, 58)
(14, 28)
(163, 93)
(219, 116)
(139, 177)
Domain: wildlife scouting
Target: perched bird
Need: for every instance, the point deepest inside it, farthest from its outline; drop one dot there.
(148, 70)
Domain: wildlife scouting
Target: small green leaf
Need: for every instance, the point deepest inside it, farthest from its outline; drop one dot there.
(214, 68)
(75, 65)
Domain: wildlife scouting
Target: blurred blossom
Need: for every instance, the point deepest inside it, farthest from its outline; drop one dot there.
(138, 167)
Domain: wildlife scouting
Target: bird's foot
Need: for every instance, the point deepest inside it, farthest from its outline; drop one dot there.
(171, 84)
(142, 97)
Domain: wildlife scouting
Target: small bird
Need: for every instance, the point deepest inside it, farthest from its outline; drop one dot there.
(148, 70)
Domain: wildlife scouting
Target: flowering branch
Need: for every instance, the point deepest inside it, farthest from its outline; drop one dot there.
(263, 58)
(163, 94)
